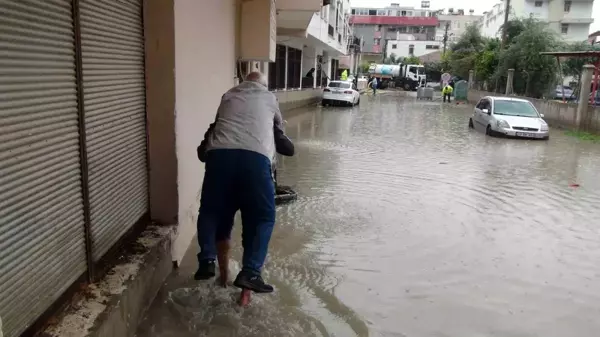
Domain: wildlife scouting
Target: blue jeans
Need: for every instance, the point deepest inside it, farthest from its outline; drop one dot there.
(237, 180)
(374, 90)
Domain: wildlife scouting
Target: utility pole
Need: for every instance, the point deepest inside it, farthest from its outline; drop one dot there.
(446, 28)
(504, 28)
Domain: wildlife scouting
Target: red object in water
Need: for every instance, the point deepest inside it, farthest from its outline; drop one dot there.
(574, 185)
(245, 297)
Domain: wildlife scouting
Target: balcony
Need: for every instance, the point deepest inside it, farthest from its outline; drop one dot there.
(577, 20)
(298, 5)
(395, 20)
(294, 16)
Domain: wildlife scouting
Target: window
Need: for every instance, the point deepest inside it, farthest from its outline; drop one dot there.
(567, 6)
(432, 46)
(376, 41)
(411, 49)
(277, 69)
(484, 104)
(403, 13)
(394, 46)
(342, 85)
(538, 3)
(564, 28)
(372, 12)
(381, 12)
(412, 70)
(294, 62)
(515, 108)
(353, 11)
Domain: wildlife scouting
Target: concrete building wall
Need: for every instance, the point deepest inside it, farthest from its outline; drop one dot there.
(198, 92)
(575, 19)
(419, 48)
(457, 24)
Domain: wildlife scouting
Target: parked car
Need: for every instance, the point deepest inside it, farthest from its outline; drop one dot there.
(569, 93)
(340, 92)
(506, 116)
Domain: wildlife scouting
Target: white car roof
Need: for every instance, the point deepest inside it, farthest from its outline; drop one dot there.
(503, 98)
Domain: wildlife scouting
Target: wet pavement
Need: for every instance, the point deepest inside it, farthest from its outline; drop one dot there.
(410, 224)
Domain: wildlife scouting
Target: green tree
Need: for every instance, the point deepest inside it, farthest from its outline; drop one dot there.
(573, 66)
(465, 51)
(534, 74)
(411, 60)
(487, 60)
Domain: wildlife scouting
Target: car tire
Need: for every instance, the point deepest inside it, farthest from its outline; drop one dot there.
(471, 126)
(489, 131)
(324, 103)
(546, 138)
(407, 87)
(358, 102)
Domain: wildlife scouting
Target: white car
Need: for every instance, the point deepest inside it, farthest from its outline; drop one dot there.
(340, 92)
(507, 116)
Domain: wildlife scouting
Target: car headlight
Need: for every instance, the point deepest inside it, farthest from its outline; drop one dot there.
(501, 123)
(544, 127)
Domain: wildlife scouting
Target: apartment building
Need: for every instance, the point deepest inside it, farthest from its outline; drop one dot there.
(571, 19)
(102, 113)
(377, 26)
(455, 22)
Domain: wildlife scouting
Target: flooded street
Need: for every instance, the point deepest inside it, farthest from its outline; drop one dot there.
(409, 224)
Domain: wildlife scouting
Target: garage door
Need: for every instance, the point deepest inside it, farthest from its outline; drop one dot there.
(112, 42)
(42, 250)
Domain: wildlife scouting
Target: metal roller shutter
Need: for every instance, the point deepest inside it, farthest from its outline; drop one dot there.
(42, 246)
(112, 40)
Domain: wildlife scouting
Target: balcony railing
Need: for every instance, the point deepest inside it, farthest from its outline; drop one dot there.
(330, 31)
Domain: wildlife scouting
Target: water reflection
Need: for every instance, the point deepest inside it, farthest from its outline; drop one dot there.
(410, 224)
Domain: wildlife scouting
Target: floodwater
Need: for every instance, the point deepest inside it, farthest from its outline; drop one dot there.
(410, 224)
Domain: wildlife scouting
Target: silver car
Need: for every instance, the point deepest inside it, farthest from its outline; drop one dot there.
(507, 116)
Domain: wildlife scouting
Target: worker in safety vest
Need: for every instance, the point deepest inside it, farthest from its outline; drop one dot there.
(344, 75)
(447, 92)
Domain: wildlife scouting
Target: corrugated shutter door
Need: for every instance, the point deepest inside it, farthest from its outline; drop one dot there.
(112, 41)
(42, 246)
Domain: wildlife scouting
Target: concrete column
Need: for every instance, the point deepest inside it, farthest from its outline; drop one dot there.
(582, 107)
(285, 76)
(160, 110)
(315, 66)
(264, 68)
(471, 78)
(509, 81)
(301, 70)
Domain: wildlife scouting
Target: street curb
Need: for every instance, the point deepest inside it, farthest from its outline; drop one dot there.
(114, 306)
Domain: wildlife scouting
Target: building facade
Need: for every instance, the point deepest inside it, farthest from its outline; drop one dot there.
(377, 26)
(454, 23)
(407, 48)
(101, 116)
(571, 19)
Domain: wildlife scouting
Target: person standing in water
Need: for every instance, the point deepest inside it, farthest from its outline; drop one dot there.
(238, 156)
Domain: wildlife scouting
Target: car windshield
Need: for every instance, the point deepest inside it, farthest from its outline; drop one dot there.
(514, 108)
(342, 85)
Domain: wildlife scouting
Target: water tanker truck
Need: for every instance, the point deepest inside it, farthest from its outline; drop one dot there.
(407, 76)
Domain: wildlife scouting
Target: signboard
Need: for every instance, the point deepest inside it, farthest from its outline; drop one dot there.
(446, 78)
(461, 90)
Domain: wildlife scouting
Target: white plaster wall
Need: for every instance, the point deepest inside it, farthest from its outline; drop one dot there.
(540, 13)
(577, 32)
(204, 70)
(402, 47)
(318, 29)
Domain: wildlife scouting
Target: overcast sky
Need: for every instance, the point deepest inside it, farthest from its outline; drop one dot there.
(478, 6)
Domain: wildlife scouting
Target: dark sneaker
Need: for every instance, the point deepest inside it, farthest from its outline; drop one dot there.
(252, 282)
(206, 270)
